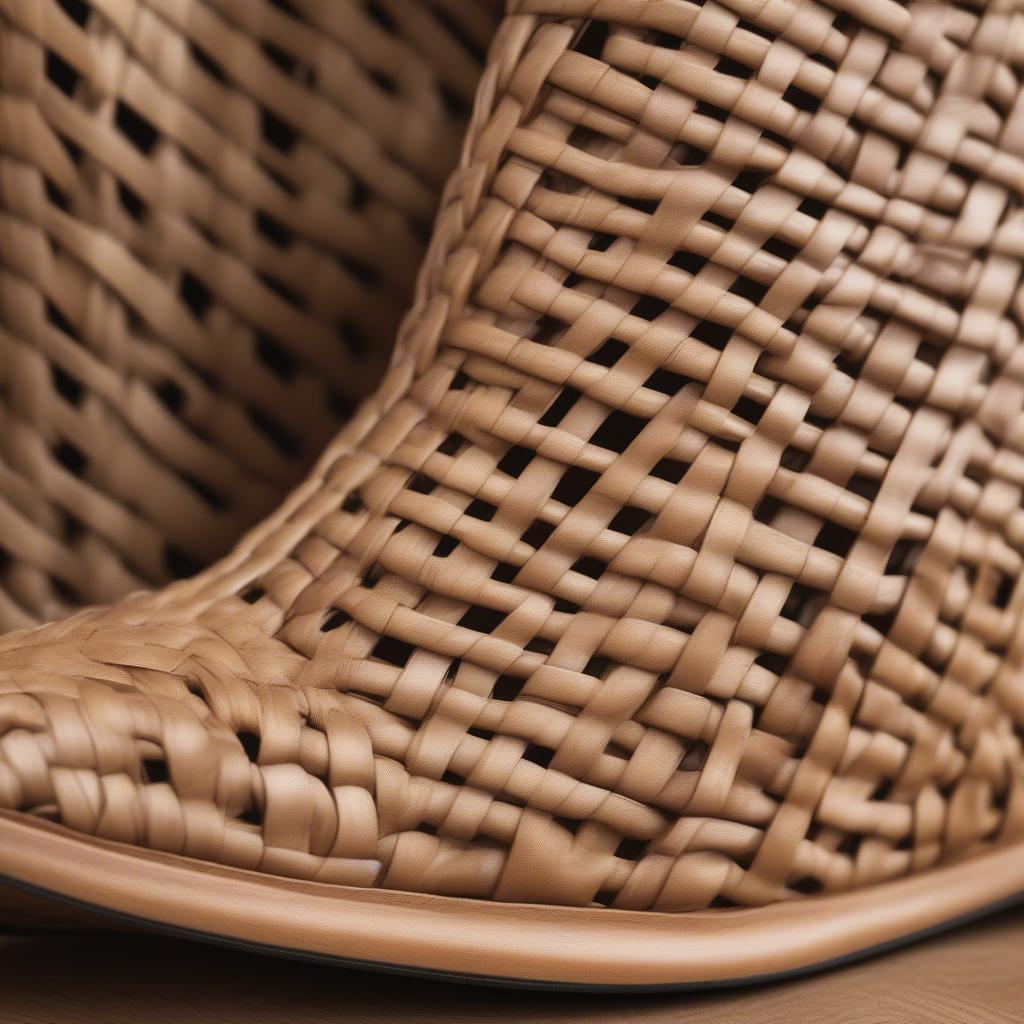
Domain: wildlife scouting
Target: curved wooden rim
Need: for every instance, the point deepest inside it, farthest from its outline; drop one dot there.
(576, 946)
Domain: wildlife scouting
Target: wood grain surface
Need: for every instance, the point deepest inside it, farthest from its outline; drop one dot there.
(971, 976)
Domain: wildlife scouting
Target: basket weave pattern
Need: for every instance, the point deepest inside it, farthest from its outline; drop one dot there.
(211, 215)
(677, 561)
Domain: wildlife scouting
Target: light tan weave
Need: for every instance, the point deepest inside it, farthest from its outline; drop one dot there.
(677, 562)
(211, 213)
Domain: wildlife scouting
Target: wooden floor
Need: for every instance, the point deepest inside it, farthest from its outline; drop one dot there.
(973, 976)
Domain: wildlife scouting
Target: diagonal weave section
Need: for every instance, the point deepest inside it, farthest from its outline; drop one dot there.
(211, 216)
(676, 563)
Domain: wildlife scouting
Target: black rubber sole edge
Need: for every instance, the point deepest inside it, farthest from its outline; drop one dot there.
(495, 981)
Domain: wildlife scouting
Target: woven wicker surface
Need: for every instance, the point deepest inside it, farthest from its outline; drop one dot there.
(676, 562)
(211, 215)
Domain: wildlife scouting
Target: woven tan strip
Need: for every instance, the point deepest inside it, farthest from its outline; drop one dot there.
(211, 215)
(676, 562)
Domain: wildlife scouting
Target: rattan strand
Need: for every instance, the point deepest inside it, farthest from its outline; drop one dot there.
(677, 561)
(211, 215)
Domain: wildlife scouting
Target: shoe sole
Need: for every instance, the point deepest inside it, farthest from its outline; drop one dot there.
(585, 948)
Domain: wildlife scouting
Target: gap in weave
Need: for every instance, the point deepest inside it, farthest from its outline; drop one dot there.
(273, 230)
(56, 196)
(275, 357)
(138, 130)
(631, 849)
(62, 74)
(67, 386)
(250, 743)
(132, 203)
(507, 687)
(180, 564)
(206, 62)
(196, 296)
(630, 520)
(155, 771)
(279, 438)
(277, 132)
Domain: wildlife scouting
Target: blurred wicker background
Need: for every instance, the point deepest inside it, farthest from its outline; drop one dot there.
(211, 216)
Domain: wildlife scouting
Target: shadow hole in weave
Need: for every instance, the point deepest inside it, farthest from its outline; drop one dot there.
(55, 317)
(690, 262)
(140, 132)
(206, 62)
(630, 849)
(481, 619)
(393, 651)
(352, 503)
(575, 485)
(666, 382)
(695, 757)
(1003, 591)
(559, 408)
(250, 743)
(276, 132)
(537, 533)
(275, 357)
(445, 546)
(480, 509)
(711, 333)
(132, 202)
(420, 483)
(155, 770)
(68, 387)
(65, 591)
(452, 444)
(71, 457)
(273, 230)
(171, 395)
(540, 645)
(56, 196)
(748, 289)
(592, 39)
(334, 620)
(589, 566)
(671, 470)
(649, 308)
(179, 564)
(783, 250)
(279, 438)
(618, 431)
(252, 594)
(609, 353)
(515, 460)
(379, 14)
(196, 296)
(507, 687)
(537, 754)
(281, 59)
(61, 74)
(802, 604)
(835, 538)
(571, 825)
(505, 572)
